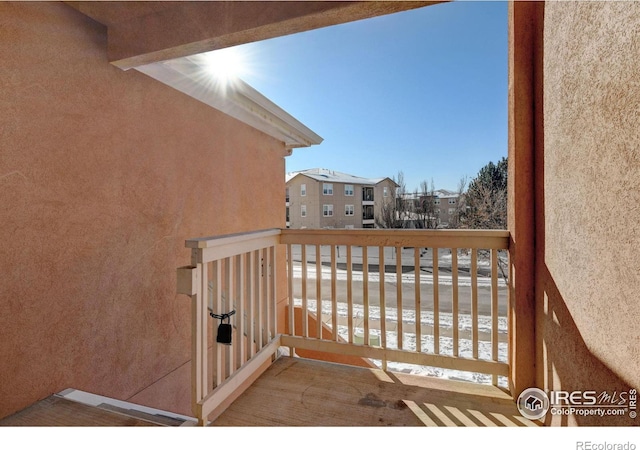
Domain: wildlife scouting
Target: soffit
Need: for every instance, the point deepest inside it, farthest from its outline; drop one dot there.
(141, 33)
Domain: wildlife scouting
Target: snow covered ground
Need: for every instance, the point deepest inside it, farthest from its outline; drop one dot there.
(409, 339)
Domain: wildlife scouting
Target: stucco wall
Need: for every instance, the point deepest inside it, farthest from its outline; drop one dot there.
(103, 175)
(589, 223)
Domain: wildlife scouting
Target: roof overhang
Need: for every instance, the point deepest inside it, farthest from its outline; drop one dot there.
(234, 98)
(144, 32)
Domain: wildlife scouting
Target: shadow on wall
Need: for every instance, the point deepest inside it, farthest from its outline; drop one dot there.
(570, 366)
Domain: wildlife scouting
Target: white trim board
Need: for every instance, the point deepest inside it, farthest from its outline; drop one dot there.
(234, 98)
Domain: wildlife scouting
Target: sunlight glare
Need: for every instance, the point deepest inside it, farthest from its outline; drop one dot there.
(226, 64)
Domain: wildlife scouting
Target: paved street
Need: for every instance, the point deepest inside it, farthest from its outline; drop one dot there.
(408, 287)
(408, 295)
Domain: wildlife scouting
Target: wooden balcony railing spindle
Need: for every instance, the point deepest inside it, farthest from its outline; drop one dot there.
(264, 295)
(365, 293)
(228, 306)
(454, 300)
(399, 309)
(383, 308)
(334, 296)
(416, 282)
(257, 308)
(349, 294)
(240, 312)
(273, 305)
(249, 277)
(474, 302)
(305, 307)
(292, 323)
(216, 306)
(436, 304)
(318, 292)
(494, 310)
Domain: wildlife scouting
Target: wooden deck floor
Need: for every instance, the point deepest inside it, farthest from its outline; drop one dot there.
(56, 411)
(302, 392)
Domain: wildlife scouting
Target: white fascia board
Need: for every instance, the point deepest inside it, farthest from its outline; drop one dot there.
(235, 98)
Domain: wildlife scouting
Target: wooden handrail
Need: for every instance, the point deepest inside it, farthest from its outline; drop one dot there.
(485, 239)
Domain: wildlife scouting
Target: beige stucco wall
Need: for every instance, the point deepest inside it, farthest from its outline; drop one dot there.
(103, 175)
(588, 227)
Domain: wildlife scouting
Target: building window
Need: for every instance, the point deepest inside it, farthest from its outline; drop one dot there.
(348, 190)
(303, 210)
(327, 210)
(303, 190)
(452, 201)
(385, 191)
(437, 211)
(436, 201)
(287, 195)
(452, 211)
(327, 188)
(348, 210)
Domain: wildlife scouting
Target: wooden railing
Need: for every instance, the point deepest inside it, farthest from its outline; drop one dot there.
(381, 293)
(428, 298)
(230, 273)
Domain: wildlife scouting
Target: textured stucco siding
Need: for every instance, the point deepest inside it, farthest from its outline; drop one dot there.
(589, 246)
(103, 175)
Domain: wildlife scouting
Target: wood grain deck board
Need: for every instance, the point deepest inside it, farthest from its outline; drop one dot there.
(56, 411)
(302, 392)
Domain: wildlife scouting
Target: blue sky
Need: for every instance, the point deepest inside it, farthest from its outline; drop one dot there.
(423, 91)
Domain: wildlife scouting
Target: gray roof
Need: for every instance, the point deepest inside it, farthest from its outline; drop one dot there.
(332, 176)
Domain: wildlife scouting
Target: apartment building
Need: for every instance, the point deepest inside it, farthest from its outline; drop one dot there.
(446, 206)
(322, 198)
(440, 215)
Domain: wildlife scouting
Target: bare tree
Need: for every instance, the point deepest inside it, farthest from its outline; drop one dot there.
(456, 220)
(426, 208)
(394, 208)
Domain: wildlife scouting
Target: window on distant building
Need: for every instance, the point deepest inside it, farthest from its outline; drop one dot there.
(287, 194)
(327, 188)
(385, 191)
(327, 210)
(348, 210)
(303, 190)
(436, 201)
(452, 211)
(303, 210)
(437, 210)
(348, 190)
(452, 201)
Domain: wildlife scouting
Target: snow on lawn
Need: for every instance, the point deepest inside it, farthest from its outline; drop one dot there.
(465, 349)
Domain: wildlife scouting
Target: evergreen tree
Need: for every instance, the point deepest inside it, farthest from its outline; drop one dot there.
(486, 198)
